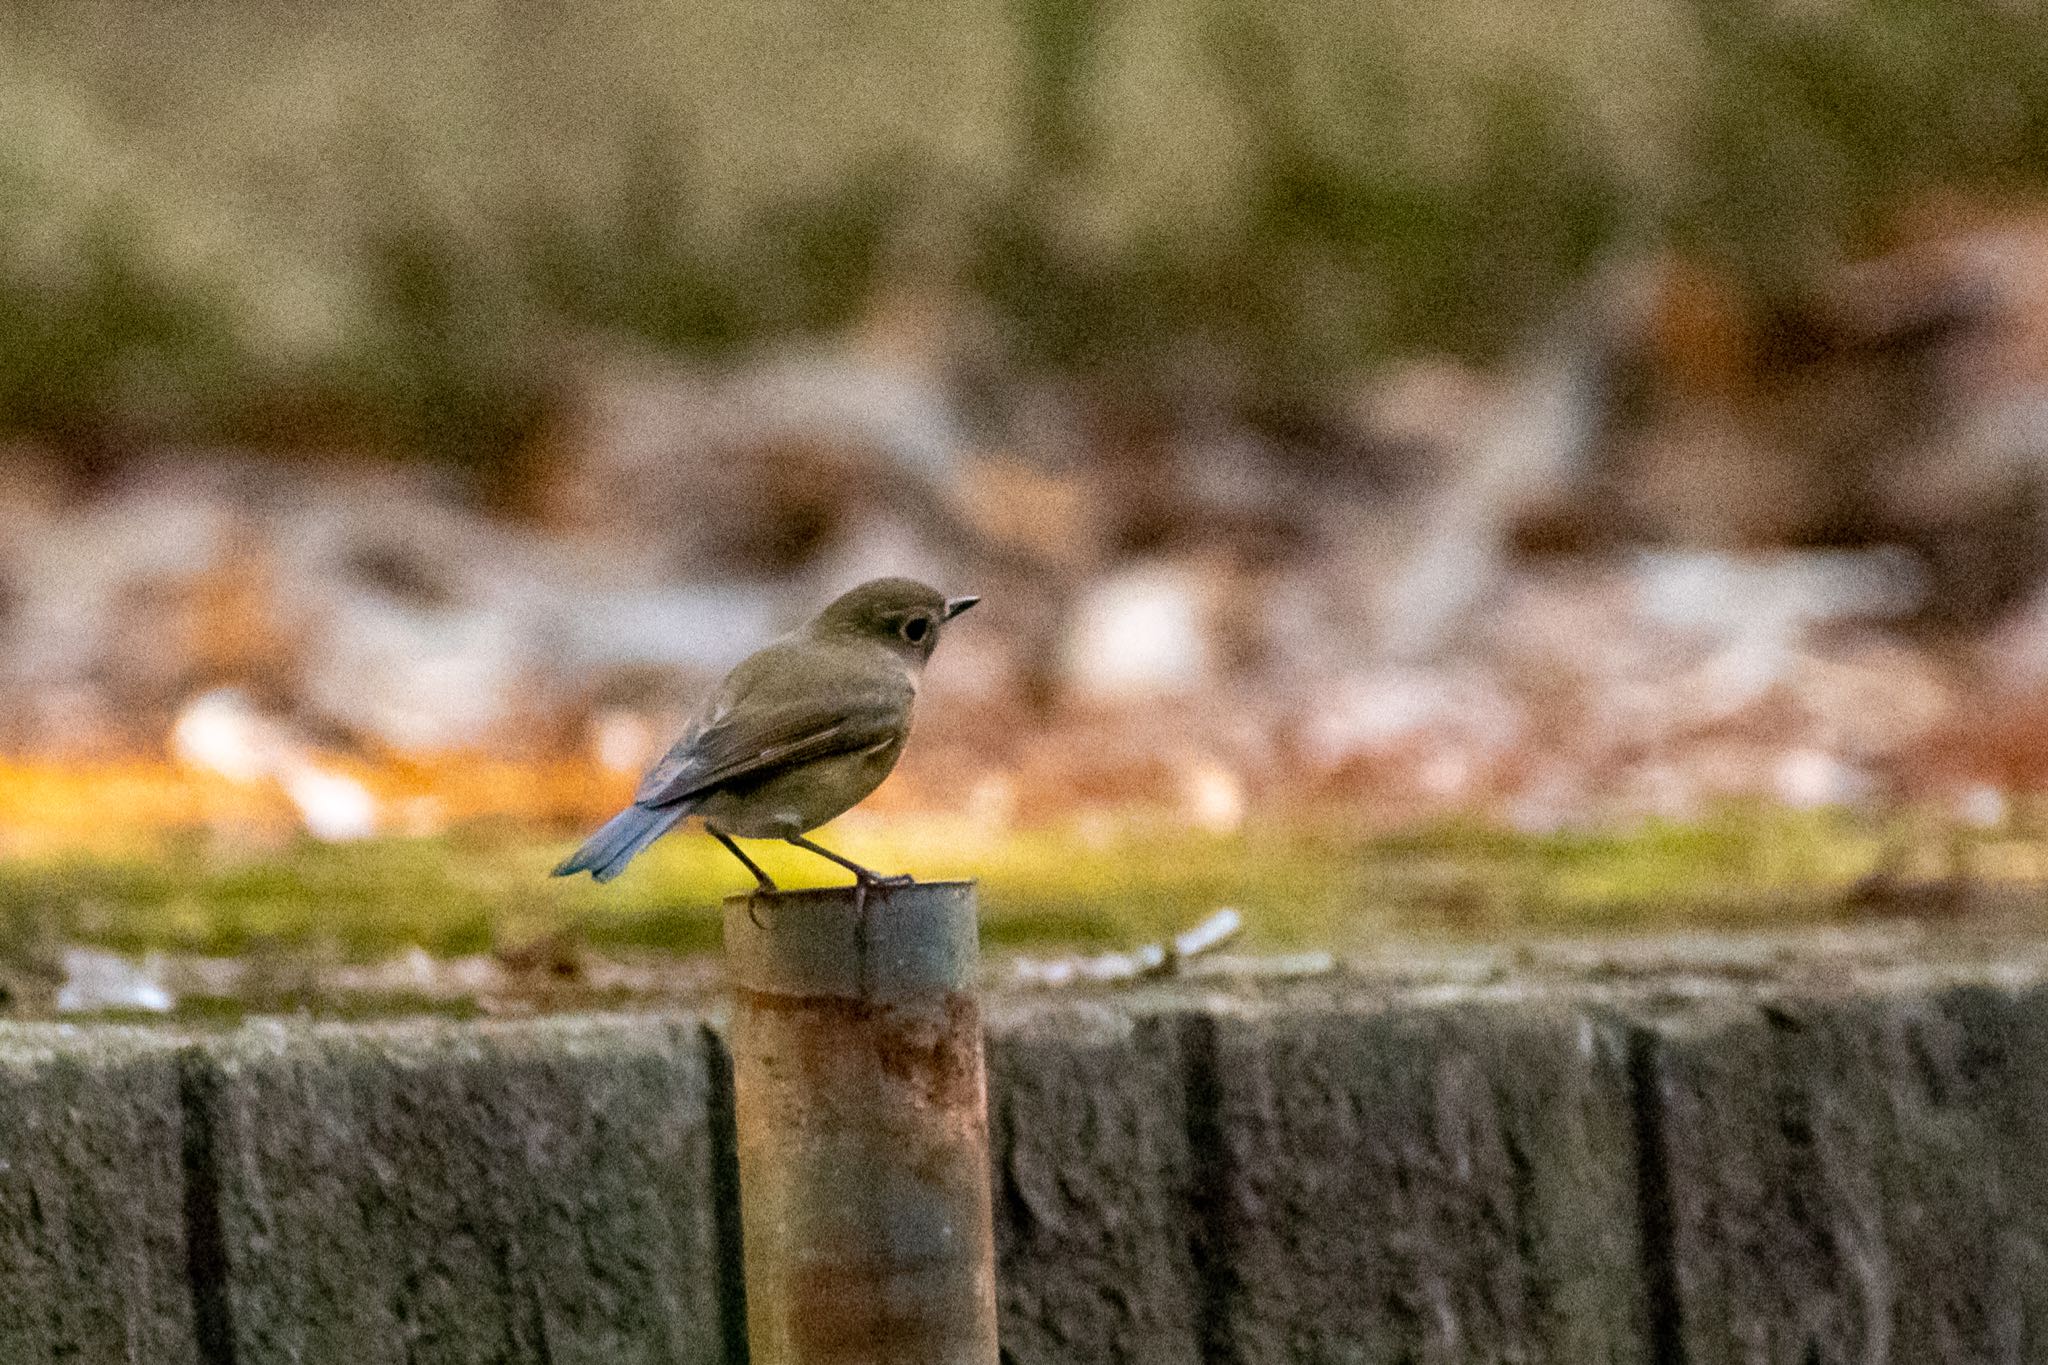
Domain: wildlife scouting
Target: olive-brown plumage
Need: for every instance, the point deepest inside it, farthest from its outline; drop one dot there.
(797, 734)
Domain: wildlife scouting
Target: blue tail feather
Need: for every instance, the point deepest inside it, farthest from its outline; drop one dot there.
(618, 841)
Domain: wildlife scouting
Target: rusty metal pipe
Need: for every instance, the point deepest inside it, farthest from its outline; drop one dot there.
(862, 1115)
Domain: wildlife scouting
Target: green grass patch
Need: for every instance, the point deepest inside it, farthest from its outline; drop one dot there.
(1297, 887)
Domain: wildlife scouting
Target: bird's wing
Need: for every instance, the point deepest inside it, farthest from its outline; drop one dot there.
(737, 742)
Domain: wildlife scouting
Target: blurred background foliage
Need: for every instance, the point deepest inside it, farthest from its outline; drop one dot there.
(377, 224)
(1470, 467)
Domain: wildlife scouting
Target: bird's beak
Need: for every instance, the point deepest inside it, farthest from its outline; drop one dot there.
(956, 605)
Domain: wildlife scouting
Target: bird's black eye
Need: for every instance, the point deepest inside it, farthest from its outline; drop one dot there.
(915, 629)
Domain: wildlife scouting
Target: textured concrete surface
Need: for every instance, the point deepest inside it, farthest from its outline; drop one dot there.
(1736, 1154)
(1857, 1180)
(1432, 1185)
(443, 1193)
(1095, 1197)
(93, 1202)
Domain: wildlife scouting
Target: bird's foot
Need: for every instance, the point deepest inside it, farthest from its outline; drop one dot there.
(763, 886)
(863, 882)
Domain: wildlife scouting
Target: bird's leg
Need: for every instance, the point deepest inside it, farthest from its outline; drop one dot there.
(766, 883)
(863, 878)
(763, 882)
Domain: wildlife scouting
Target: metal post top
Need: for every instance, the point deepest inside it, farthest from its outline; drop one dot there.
(899, 943)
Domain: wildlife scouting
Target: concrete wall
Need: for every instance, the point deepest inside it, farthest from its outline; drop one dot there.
(1657, 1169)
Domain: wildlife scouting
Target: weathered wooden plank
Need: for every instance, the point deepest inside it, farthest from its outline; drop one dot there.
(442, 1193)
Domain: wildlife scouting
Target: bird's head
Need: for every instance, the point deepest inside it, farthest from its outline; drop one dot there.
(900, 613)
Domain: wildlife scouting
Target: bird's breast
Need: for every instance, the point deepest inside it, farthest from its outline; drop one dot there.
(802, 797)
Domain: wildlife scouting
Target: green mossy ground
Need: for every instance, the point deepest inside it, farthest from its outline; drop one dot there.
(1298, 888)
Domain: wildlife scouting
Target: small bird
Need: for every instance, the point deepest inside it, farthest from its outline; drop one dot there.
(797, 734)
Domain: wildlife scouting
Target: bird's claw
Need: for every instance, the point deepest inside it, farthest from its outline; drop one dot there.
(864, 882)
(763, 888)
